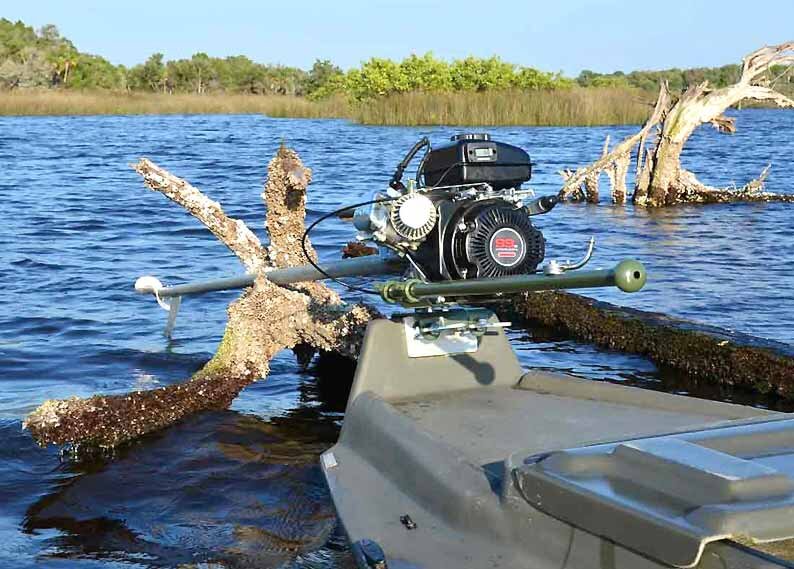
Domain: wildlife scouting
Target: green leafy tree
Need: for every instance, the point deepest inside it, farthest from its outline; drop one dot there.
(613, 80)
(43, 58)
(203, 73)
(14, 38)
(33, 59)
(282, 80)
(426, 73)
(376, 78)
(533, 79)
(29, 70)
(240, 75)
(321, 77)
(475, 74)
(63, 60)
(333, 86)
(585, 78)
(94, 72)
(149, 76)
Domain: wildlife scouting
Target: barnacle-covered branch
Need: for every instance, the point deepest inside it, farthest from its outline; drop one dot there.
(266, 319)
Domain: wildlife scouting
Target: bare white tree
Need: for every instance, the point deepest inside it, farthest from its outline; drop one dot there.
(660, 178)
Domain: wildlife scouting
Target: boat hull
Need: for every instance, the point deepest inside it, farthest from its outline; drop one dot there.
(431, 450)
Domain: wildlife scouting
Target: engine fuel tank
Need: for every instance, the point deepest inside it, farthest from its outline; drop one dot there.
(475, 158)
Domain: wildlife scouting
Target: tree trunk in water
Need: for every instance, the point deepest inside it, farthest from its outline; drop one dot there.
(612, 162)
(591, 187)
(660, 179)
(666, 171)
(617, 175)
(268, 318)
(669, 183)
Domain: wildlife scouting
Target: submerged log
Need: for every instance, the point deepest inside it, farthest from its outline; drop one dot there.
(700, 352)
(265, 320)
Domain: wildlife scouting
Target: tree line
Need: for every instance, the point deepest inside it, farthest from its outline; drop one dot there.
(43, 58)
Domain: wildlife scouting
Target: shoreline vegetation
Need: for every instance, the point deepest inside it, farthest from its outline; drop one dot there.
(570, 107)
(43, 73)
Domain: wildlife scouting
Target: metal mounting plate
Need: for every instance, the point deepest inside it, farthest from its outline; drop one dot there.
(448, 342)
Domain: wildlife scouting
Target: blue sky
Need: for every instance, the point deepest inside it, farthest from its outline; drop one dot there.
(567, 36)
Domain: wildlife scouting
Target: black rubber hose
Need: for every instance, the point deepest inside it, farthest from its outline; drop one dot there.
(396, 182)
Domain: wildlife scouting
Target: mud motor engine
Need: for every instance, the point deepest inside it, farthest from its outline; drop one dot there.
(460, 233)
(464, 215)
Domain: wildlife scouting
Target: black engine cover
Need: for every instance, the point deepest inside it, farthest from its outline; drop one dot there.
(492, 238)
(475, 158)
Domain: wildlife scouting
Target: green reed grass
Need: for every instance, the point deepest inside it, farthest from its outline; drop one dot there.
(566, 107)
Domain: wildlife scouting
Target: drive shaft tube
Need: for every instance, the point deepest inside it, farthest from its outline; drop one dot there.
(628, 276)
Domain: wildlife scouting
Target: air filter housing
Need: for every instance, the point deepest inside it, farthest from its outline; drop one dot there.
(413, 216)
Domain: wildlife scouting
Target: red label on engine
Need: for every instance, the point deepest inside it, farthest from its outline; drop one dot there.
(507, 247)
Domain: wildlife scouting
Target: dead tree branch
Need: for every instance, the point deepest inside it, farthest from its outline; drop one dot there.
(659, 178)
(233, 233)
(265, 320)
(725, 125)
(669, 183)
(620, 153)
(285, 200)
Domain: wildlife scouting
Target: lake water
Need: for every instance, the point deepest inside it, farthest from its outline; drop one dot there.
(241, 488)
